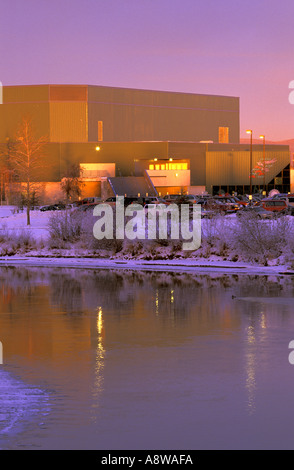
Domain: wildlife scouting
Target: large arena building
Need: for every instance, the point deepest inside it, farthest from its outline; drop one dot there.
(181, 142)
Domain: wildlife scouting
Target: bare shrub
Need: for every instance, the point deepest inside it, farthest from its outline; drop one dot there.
(260, 240)
(90, 242)
(65, 227)
(216, 236)
(13, 242)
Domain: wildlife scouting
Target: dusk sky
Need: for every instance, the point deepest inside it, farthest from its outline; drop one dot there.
(228, 47)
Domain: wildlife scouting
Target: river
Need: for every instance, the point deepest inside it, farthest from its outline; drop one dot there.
(103, 359)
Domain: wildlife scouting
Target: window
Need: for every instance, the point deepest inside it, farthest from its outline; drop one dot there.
(223, 135)
(169, 166)
(100, 131)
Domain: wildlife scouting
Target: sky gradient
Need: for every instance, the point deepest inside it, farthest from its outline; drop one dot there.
(227, 47)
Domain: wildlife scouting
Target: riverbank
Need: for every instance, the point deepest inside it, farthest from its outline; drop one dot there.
(181, 265)
(250, 247)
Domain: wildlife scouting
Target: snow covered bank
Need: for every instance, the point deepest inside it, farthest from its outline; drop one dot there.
(187, 265)
(228, 244)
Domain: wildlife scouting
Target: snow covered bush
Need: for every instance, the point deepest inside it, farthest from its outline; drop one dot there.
(261, 240)
(236, 238)
(216, 234)
(16, 241)
(64, 227)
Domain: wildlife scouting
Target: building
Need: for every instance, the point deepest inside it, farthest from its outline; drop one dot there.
(185, 142)
(71, 113)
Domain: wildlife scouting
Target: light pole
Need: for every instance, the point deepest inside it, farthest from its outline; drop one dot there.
(249, 131)
(263, 137)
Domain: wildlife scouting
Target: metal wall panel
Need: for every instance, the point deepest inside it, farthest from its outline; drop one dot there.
(229, 168)
(140, 115)
(26, 93)
(129, 114)
(68, 93)
(68, 122)
(12, 114)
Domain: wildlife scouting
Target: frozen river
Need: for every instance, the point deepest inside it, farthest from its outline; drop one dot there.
(145, 360)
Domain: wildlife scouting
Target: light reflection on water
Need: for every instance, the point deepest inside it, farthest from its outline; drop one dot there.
(145, 360)
(99, 364)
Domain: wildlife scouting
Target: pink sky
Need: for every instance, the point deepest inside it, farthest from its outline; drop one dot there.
(227, 47)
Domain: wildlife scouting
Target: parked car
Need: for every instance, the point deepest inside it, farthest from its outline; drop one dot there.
(241, 200)
(259, 211)
(172, 198)
(274, 205)
(187, 199)
(203, 201)
(111, 201)
(52, 207)
(127, 201)
(289, 198)
(47, 208)
(207, 213)
(91, 200)
(60, 206)
(154, 200)
(226, 204)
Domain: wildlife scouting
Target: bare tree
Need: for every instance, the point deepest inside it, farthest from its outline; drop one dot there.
(27, 161)
(72, 183)
(6, 172)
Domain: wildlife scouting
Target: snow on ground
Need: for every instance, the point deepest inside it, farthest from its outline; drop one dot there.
(187, 265)
(14, 220)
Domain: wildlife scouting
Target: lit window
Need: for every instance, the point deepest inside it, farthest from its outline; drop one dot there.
(162, 167)
(185, 166)
(151, 167)
(223, 135)
(157, 167)
(100, 131)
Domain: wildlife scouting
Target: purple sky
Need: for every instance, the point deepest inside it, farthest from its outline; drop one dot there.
(223, 47)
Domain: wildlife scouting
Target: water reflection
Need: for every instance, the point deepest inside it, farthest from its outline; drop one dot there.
(99, 363)
(120, 344)
(250, 369)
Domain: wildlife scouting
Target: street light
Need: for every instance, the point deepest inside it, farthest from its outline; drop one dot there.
(263, 137)
(249, 131)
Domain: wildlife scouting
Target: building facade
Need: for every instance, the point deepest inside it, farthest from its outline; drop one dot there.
(84, 113)
(185, 142)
